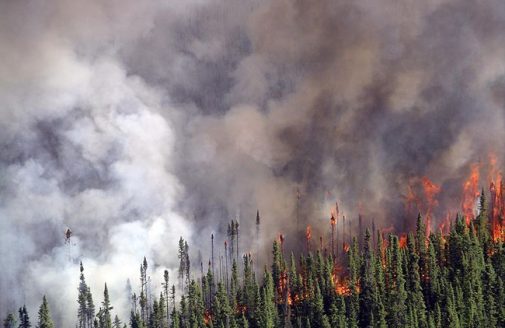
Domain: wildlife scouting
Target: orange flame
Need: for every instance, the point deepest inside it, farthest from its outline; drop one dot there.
(444, 226)
(340, 283)
(497, 200)
(207, 317)
(411, 200)
(342, 287)
(430, 192)
(470, 193)
(403, 241)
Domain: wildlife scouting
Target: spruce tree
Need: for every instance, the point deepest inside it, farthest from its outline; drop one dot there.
(24, 319)
(82, 300)
(182, 262)
(367, 296)
(221, 308)
(415, 293)
(117, 322)
(104, 315)
(10, 321)
(452, 320)
(90, 309)
(45, 320)
(196, 309)
(397, 294)
(492, 294)
(166, 287)
(268, 306)
(136, 320)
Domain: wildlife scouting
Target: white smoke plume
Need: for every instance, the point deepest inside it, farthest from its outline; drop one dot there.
(134, 123)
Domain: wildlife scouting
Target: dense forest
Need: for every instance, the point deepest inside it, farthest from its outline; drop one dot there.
(423, 279)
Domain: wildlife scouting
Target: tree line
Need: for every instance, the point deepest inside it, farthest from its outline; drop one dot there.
(425, 280)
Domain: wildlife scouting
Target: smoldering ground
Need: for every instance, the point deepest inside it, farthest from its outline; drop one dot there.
(135, 123)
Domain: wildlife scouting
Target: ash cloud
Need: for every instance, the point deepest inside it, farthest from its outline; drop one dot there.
(134, 123)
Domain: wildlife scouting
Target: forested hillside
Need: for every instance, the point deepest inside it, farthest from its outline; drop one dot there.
(453, 279)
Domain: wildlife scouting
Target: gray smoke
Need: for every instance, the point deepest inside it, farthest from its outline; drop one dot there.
(134, 123)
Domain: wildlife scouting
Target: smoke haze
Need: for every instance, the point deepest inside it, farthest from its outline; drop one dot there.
(134, 123)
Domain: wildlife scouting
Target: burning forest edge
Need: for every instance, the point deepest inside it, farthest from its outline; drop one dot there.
(446, 277)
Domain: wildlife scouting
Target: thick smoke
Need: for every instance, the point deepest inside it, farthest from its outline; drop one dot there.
(134, 123)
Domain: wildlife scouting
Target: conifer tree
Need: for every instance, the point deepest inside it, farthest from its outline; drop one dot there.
(144, 292)
(45, 320)
(415, 294)
(24, 319)
(161, 315)
(187, 264)
(492, 294)
(221, 308)
(397, 295)
(166, 288)
(90, 309)
(268, 307)
(104, 315)
(354, 267)
(117, 322)
(182, 262)
(367, 296)
(338, 313)
(318, 316)
(482, 221)
(195, 305)
(136, 320)
(10, 321)
(452, 320)
(82, 300)
(176, 321)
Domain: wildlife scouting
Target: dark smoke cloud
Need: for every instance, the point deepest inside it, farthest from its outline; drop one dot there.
(134, 123)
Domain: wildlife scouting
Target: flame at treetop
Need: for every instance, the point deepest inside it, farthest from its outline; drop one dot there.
(497, 201)
(281, 238)
(444, 226)
(431, 190)
(424, 204)
(470, 193)
(403, 241)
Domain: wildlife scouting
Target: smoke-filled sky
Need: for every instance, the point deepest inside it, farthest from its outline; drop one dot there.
(136, 122)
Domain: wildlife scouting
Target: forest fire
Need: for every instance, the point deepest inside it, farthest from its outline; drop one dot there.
(340, 282)
(283, 285)
(430, 191)
(207, 318)
(422, 193)
(362, 130)
(308, 237)
(342, 287)
(281, 242)
(497, 209)
(349, 273)
(470, 193)
(444, 226)
(424, 204)
(403, 240)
